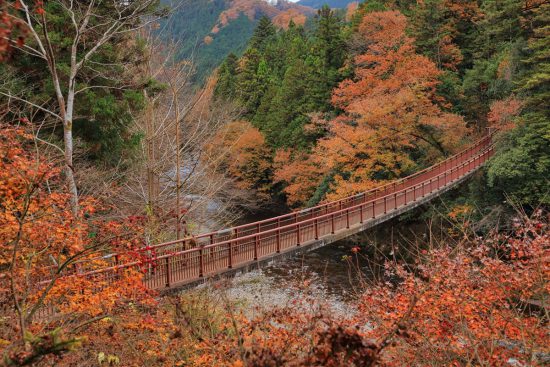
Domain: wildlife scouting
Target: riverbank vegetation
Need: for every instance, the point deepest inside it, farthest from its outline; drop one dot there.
(106, 146)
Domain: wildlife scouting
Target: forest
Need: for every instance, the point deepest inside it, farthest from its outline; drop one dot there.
(122, 144)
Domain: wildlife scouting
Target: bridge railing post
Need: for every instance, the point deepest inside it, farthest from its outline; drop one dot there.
(347, 218)
(167, 269)
(332, 224)
(230, 260)
(278, 240)
(256, 243)
(201, 261)
(316, 224)
(361, 214)
(298, 235)
(385, 204)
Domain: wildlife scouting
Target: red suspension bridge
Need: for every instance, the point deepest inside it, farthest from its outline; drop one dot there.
(174, 264)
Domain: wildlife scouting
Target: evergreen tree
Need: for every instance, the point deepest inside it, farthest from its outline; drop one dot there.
(434, 30)
(104, 110)
(521, 167)
(284, 76)
(329, 37)
(288, 110)
(500, 27)
(227, 78)
(496, 55)
(263, 32)
(252, 79)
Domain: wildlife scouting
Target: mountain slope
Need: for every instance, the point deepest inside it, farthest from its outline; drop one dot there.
(209, 30)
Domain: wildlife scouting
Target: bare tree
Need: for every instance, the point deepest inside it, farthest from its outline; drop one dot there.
(171, 179)
(92, 24)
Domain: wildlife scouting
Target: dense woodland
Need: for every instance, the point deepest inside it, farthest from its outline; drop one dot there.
(350, 104)
(110, 144)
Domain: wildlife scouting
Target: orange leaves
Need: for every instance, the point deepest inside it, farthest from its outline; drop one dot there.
(388, 69)
(467, 302)
(390, 115)
(283, 19)
(301, 172)
(40, 240)
(391, 110)
(240, 150)
(503, 112)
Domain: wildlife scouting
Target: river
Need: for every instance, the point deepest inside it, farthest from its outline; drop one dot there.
(342, 269)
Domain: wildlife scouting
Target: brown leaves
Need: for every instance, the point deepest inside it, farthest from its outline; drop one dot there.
(504, 112)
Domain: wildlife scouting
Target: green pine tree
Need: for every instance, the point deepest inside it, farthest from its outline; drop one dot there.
(262, 34)
(227, 78)
(252, 81)
(521, 167)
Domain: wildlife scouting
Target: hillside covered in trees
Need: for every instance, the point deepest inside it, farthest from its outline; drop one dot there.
(207, 31)
(109, 147)
(347, 104)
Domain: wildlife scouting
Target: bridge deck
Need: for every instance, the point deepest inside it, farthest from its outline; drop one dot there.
(239, 248)
(174, 264)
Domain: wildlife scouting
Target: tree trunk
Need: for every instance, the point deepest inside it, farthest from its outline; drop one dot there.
(150, 153)
(178, 169)
(69, 168)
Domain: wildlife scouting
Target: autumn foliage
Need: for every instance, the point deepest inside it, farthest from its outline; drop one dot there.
(472, 301)
(482, 303)
(503, 113)
(43, 251)
(476, 302)
(350, 114)
(12, 30)
(391, 117)
(239, 149)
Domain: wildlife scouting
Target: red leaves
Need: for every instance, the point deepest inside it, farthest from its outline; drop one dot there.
(467, 301)
(13, 30)
(39, 7)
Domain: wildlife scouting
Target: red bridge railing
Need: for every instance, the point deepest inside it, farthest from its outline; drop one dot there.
(216, 252)
(298, 216)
